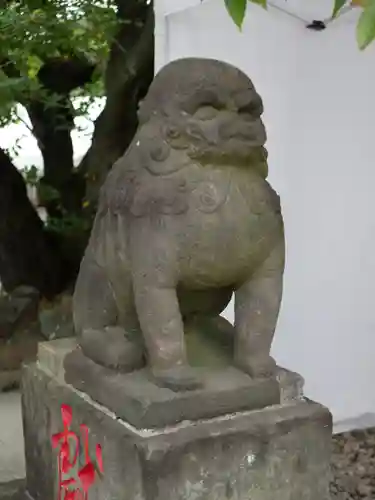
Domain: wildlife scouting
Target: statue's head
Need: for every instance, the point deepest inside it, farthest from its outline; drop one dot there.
(208, 108)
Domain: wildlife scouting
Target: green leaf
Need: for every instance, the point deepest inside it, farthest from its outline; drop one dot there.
(33, 65)
(262, 3)
(48, 193)
(338, 5)
(31, 175)
(10, 83)
(366, 26)
(237, 10)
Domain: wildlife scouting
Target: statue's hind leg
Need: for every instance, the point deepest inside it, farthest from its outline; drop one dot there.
(96, 322)
(257, 304)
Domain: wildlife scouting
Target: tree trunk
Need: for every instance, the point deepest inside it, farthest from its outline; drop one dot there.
(129, 73)
(52, 126)
(28, 254)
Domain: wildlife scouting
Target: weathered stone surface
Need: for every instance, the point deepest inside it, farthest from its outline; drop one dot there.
(19, 333)
(9, 379)
(13, 490)
(37, 404)
(136, 398)
(282, 451)
(51, 356)
(17, 310)
(56, 319)
(186, 217)
(291, 385)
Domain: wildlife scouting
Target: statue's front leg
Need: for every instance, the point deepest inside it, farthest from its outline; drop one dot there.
(95, 312)
(153, 263)
(257, 305)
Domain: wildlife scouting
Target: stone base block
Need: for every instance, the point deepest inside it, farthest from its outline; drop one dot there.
(13, 490)
(280, 452)
(9, 379)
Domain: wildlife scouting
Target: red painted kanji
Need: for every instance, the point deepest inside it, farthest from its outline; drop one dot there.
(73, 488)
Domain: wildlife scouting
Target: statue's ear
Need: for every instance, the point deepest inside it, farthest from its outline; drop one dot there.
(139, 108)
(157, 151)
(158, 157)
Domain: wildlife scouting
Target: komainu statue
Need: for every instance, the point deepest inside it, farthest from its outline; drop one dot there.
(185, 218)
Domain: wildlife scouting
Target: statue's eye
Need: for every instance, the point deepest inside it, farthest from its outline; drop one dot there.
(173, 132)
(206, 113)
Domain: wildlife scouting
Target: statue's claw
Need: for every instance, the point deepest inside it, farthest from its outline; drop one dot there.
(257, 366)
(181, 378)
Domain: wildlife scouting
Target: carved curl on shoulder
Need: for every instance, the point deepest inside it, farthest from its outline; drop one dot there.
(133, 187)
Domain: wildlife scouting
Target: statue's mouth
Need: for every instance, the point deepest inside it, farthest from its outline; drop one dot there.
(231, 152)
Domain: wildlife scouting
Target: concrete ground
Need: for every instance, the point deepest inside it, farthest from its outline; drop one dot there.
(12, 462)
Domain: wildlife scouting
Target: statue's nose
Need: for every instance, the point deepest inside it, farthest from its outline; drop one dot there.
(211, 134)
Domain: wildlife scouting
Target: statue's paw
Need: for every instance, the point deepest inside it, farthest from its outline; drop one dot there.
(180, 378)
(113, 349)
(262, 366)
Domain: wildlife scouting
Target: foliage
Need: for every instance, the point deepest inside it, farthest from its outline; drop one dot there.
(31, 175)
(56, 58)
(32, 34)
(365, 26)
(36, 31)
(69, 223)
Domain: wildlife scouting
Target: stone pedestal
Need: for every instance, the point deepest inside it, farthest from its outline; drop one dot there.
(280, 452)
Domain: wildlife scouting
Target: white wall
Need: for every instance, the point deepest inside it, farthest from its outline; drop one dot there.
(318, 92)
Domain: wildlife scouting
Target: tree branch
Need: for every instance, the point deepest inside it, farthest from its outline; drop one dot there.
(132, 43)
(129, 73)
